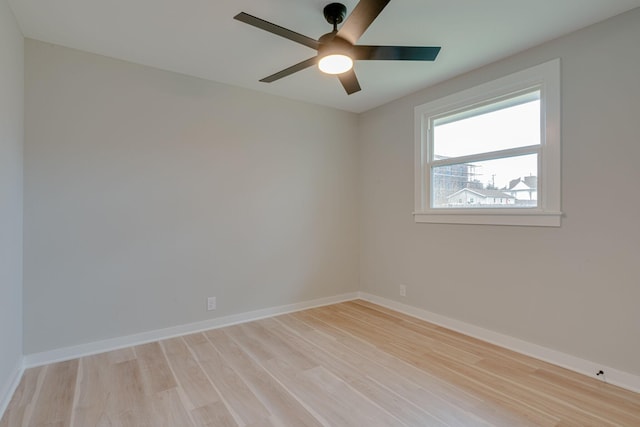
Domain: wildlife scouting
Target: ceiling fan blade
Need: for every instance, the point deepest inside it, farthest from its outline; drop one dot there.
(293, 69)
(277, 30)
(398, 53)
(360, 19)
(349, 81)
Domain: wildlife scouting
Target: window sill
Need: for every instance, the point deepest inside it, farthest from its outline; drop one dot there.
(490, 217)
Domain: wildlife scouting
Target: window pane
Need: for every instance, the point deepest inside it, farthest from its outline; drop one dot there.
(511, 182)
(511, 123)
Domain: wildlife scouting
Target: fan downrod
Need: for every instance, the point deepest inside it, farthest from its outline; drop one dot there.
(334, 13)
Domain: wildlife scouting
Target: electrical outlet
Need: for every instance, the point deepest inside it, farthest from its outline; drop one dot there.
(211, 303)
(403, 290)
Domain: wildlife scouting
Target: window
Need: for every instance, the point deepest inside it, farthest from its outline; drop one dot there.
(491, 154)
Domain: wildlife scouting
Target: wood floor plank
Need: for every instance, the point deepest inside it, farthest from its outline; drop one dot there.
(525, 370)
(443, 399)
(169, 411)
(387, 388)
(190, 376)
(519, 374)
(347, 364)
(413, 333)
(443, 335)
(587, 401)
(521, 383)
(213, 415)
(264, 423)
(256, 333)
(407, 352)
(299, 362)
(280, 403)
(349, 368)
(20, 408)
(156, 374)
(126, 402)
(55, 398)
(93, 392)
(244, 405)
(496, 386)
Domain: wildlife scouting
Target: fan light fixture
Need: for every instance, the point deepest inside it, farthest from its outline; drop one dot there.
(335, 64)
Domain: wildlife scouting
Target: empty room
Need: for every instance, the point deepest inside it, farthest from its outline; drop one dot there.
(306, 213)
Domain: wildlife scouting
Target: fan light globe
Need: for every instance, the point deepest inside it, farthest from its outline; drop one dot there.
(335, 64)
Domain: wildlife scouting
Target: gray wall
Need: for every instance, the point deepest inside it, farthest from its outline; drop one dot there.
(147, 191)
(576, 288)
(11, 141)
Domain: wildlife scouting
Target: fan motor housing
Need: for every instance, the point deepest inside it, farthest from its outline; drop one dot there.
(333, 44)
(334, 13)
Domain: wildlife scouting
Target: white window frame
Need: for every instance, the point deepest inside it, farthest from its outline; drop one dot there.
(546, 78)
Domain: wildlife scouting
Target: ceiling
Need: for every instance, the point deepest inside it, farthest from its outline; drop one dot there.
(200, 38)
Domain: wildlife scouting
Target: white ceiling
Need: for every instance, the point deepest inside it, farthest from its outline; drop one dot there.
(201, 38)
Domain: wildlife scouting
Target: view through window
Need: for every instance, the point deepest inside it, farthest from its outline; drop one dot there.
(487, 157)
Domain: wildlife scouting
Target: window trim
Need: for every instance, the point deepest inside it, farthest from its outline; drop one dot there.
(546, 77)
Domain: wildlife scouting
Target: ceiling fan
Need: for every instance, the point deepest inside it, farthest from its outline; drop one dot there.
(337, 49)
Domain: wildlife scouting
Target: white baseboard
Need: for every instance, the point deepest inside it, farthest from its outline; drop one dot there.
(613, 376)
(7, 389)
(73, 352)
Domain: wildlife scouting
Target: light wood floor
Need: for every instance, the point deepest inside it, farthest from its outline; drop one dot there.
(350, 364)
